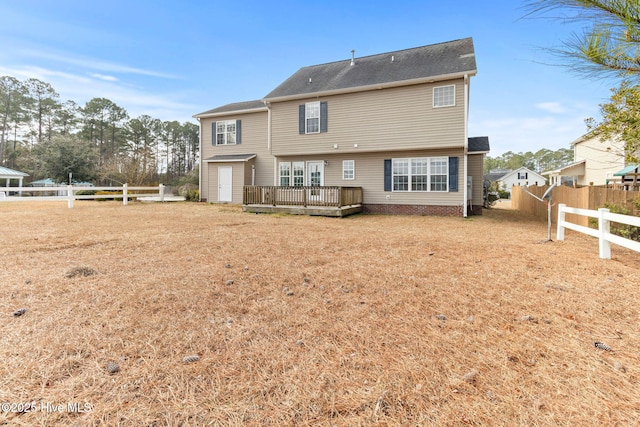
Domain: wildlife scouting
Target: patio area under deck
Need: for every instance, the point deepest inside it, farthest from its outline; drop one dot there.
(320, 201)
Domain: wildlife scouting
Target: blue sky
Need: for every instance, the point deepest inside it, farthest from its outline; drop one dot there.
(171, 60)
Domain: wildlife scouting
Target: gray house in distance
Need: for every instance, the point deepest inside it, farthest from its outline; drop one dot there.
(392, 124)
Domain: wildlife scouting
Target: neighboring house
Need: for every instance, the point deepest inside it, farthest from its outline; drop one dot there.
(521, 177)
(595, 162)
(394, 124)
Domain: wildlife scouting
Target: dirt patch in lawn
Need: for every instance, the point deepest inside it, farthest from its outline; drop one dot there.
(195, 314)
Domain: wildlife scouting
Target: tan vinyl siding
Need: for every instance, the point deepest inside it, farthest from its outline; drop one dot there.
(401, 118)
(475, 169)
(603, 159)
(369, 174)
(254, 141)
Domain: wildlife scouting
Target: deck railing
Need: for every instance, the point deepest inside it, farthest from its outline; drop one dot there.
(329, 196)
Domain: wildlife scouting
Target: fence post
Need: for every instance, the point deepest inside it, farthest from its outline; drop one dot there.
(161, 191)
(70, 196)
(560, 232)
(603, 230)
(125, 194)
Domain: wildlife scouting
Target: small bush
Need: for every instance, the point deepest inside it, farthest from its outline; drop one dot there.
(193, 195)
(190, 192)
(117, 196)
(623, 230)
(86, 192)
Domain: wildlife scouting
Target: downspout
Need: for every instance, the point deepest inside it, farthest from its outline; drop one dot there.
(466, 144)
(269, 148)
(201, 163)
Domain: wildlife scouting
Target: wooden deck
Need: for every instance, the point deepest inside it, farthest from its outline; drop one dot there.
(324, 201)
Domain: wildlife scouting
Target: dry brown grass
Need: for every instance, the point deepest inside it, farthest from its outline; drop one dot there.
(400, 321)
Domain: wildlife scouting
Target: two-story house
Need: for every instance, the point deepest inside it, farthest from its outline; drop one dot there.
(393, 124)
(595, 162)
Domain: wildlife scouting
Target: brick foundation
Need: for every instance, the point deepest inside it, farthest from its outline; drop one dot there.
(419, 210)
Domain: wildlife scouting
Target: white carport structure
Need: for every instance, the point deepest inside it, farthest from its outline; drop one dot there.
(574, 170)
(9, 174)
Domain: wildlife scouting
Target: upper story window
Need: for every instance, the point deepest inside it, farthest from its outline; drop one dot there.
(444, 96)
(226, 132)
(312, 117)
(523, 175)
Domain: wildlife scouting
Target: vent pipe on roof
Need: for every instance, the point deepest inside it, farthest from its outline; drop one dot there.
(353, 57)
(393, 58)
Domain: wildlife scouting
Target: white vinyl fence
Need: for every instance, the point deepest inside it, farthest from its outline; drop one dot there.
(70, 193)
(604, 217)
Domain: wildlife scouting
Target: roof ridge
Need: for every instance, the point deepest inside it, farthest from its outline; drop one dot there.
(384, 53)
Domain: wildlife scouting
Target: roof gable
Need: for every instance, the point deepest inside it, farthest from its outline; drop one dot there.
(520, 169)
(401, 67)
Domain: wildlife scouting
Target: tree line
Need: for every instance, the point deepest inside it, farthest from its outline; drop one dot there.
(540, 161)
(98, 142)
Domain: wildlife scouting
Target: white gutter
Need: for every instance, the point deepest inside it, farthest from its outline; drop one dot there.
(227, 113)
(276, 173)
(268, 105)
(371, 87)
(466, 143)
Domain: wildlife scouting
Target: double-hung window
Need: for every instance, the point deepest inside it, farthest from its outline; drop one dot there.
(313, 117)
(298, 174)
(444, 96)
(438, 173)
(420, 174)
(291, 173)
(226, 132)
(348, 169)
(285, 174)
(401, 175)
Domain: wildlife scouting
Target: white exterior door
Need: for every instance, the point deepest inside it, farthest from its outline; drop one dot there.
(225, 184)
(315, 178)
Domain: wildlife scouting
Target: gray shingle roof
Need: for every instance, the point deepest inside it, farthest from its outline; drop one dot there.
(426, 62)
(478, 144)
(234, 108)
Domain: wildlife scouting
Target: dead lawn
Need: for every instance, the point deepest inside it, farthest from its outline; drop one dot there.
(367, 320)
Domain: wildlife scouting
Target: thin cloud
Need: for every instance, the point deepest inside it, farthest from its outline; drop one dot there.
(82, 88)
(551, 107)
(104, 77)
(94, 64)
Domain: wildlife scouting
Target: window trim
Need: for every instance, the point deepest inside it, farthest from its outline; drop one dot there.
(453, 97)
(322, 118)
(409, 166)
(291, 168)
(297, 167)
(351, 168)
(226, 132)
(280, 175)
(307, 106)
